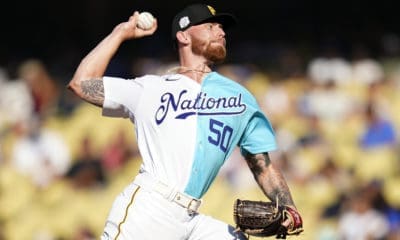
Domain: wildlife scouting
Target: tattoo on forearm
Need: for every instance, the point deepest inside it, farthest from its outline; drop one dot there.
(93, 91)
(269, 178)
(256, 162)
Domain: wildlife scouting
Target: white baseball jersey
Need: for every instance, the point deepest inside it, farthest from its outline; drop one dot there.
(186, 130)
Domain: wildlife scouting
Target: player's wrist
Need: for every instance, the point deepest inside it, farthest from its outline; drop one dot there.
(295, 226)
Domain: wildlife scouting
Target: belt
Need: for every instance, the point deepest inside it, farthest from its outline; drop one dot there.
(149, 183)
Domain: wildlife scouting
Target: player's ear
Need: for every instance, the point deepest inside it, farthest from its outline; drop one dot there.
(182, 37)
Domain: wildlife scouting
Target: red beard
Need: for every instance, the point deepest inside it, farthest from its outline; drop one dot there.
(213, 53)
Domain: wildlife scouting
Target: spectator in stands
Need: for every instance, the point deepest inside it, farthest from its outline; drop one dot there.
(374, 191)
(330, 66)
(16, 105)
(365, 69)
(360, 221)
(117, 152)
(327, 102)
(86, 171)
(40, 153)
(43, 87)
(379, 131)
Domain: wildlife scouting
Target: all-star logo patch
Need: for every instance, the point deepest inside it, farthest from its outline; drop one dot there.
(184, 22)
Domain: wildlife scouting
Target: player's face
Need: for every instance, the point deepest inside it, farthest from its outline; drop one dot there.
(208, 40)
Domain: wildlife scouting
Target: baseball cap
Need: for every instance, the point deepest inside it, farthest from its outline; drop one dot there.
(199, 13)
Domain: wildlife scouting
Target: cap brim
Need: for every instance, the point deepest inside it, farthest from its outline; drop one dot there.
(227, 20)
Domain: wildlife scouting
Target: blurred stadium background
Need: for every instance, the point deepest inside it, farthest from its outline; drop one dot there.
(327, 74)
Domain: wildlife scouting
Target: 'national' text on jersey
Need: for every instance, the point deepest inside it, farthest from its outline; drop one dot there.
(201, 105)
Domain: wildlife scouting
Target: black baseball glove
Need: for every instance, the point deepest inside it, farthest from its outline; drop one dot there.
(264, 219)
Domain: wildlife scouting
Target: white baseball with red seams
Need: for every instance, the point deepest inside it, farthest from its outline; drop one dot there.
(145, 20)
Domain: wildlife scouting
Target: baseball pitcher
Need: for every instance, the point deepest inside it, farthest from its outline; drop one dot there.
(187, 124)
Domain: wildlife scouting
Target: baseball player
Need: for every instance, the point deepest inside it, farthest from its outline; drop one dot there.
(187, 124)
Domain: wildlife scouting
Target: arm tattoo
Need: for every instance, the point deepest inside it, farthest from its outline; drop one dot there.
(93, 91)
(269, 178)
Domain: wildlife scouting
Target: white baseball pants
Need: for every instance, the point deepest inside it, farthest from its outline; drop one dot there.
(140, 212)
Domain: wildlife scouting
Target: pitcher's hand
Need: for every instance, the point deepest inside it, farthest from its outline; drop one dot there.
(129, 30)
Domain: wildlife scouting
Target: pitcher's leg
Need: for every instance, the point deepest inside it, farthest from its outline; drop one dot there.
(139, 214)
(208, 228)
(119, 212)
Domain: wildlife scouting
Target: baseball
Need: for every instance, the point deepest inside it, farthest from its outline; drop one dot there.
(145, 20)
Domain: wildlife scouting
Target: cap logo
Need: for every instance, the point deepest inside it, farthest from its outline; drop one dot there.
(212, 10)
(184, 22)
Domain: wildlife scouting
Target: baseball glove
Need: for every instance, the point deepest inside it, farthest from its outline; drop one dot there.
(264, 219)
